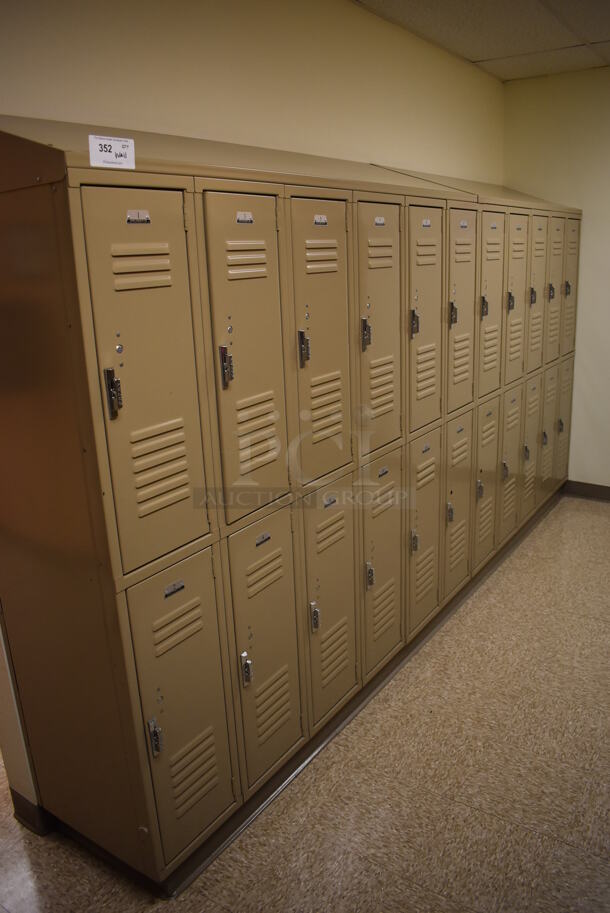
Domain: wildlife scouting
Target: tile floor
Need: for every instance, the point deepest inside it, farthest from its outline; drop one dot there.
(477, 780)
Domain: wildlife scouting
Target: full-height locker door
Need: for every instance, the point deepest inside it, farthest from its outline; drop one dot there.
(382, 509)
(138, 270)
(425, 309)
(177, 645)
(490, 303)
(319, 258)
(424, 488)
(510, 464)
(570, 286)
(241, 242)
(488, 427)
(379, 296)
(458, 493)
(529, 445)
(462, 284)
(547, 443)
(554, 289)
(564, 420)
(536, 295)
(516, 305)
(328, 515)
(264, 610)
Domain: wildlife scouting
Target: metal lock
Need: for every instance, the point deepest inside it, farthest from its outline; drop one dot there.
(484, 306)
(366, 333)
(526, 452)
(568, 289)
(533, 296)
(551, 291)
(114, 394)
(314, 614)
(227, 371)
(505, 472)
(511, 301)
(414, 321)
(155, 735)
(453, 313)
(247, 669)
(480, 489)
(545, 438)
(370, 575)
(304, 344)
(450, 512)
(414, 540)
(560, 425)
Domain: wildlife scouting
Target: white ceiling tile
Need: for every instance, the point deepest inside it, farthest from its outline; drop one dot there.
(543, 63)
(589, 19)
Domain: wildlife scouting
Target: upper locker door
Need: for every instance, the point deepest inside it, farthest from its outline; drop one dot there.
(516, 306)
(382, 487)
(424, 486)
(535, 308)
(529, 445)
(425, 309)
(547, 442)
(329, 560)
(462, 284)
(570, 286)
(488, 427)
(458, 492)
(379, 295)
(264, 610)
(319, 258)
(241, 241)
(564, 420)
(508, 506)
(492, 285)
(138, 270)
(554, 292)
(176, 639)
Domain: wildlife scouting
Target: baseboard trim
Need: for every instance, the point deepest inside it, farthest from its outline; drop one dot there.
(586, 490)
(34, 817)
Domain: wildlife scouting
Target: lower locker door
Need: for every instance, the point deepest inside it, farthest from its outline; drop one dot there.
(262, 584)
(175, 631)
(563, 423)
(547, 439)
(425, 313)
(529, 445)
(508, 492)
(458, 487)
(536, 294)
(329, 559)
(517, 279)
(424, 489)
(381, 493)
(488, 427)
(568, 327)
(490, 302)
(462, 286)
(552, 332)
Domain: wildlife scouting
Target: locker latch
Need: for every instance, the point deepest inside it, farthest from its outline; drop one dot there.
(227, 372)
(370, 575)
(551, 291)
(314, 614)
(480, 489)
(526, 452)
(304, 348)
(114, 395)
(484, 306)
(533, 295)
(366, 333)
(247, 670)
(545, 438)
(414, 540)
(450, 512)
(414, 322)
(568, 289)
(155, 735)
(511, 301)
(505, 472)
(453, 313)
(560, 425)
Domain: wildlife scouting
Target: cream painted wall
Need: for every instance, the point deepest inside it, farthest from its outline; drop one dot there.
(557, 131)
(321, 76)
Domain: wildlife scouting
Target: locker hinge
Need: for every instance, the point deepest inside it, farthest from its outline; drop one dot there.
(533, 295)
(526, 452)
(560, 425)
(450, 512)
(551, 291)
(567, 289)
(304, 345)
(187, 218)
(480, 489)
(247, 670)
(484, 306)
(414, 322)
(414, 540)
(155, 736)
(369, 572)
(278, 213)
(453, 313)
(114, 394)
(505, 470)
(366, 333)
(511, 301)
(227, 371)
(348, 216)
(314, 615)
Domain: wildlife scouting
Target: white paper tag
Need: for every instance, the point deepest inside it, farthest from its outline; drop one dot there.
(138, 217)
(320, 220)
(111, 152)
(245, 218)
(493, 225)
(463, 224)
(379, 220)
(426, 223)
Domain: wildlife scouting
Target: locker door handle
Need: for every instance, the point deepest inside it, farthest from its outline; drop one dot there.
(314, 614)
(304, 348)
(505, 471)
(414, 321)
(247, 669)
(370, 575)
(526, 452)
(551, 291)
(568, 288)
(560, 425)
(414, 540)
(227, 371)
(511, 301)
(453, 313)
(366, 333)
(484, 306)
(480, 489)
(450, 512)
(545, 438)
(114, 394)
(155, 736)
(533, 296)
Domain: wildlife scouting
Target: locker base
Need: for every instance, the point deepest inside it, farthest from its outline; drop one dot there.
(586, 490)
(34, 817)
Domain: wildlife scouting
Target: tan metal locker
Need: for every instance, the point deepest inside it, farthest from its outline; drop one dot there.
(570, 286)
(547, 442)
(536, 297)
(424, 488)
(319, 257)
(518, 226)
(176, 639)
(492, 286)
(138, 270)
(462, 290)
(241, 243)
(328, 516)
(510, 463)
(529, 447)
(488, 426)
(554, 289)
(458, 493)
(564, 420)
(264, 610)
(382, 512)
(425, 310)
(380, 332)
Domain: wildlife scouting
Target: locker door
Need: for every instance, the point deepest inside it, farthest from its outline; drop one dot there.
(379, 294)
(382, 510)
(458, 491)
(425, 308)
(488, 426)
(138, 270)
(462, 281)
(553, 307)
(319, 252)
(424, 487)
(529, 448)
(510, 464)
(535, 307)
(241, 242)
(262, 584)
(517, 279)
(563, 424)
(492, 286)
(329, 559)
(570, 286)
(175, 630)
(547, 443)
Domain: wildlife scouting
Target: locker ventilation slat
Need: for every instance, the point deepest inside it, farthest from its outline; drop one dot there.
(383, 499)
(426, 473)
(381, 253)
(529, 482)
(535, 331)
(257, 436)
(540, 247)
(463, 251)
(518, 250)
(486, 519)
(381, 383)
(326, 406)
(515, 339)
(425, 371)
(509, 499)
(533, 403)
(457, 544)
(425, 573)
(330, 531)
(493, 250)
(384, 608)
(461, 358)
(273, 705)
(572, 248)
(160, 466)
(488, 433)
(426, 253)
(194, 771)
(177, 626)
(547, 462)
(265, 572)
(554, 318)
(334, 652)
(321, 256)
(513, 417)
(246, 259)
(491, 347)
(459, 451)
(557, 247)
(141, 266)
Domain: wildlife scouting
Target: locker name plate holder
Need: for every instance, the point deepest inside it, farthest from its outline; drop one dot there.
(112, 152)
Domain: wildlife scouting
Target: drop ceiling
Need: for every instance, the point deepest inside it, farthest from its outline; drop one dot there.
(510, 39)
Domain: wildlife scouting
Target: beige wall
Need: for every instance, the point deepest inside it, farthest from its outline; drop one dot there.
(557, 134)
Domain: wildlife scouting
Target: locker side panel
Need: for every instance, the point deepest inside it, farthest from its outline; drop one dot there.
(424, 487)
(530, 444)
(462, 289)
(488, 427)
(508, 492)
(570, 286)
(547, 441)
(537, 291)
(554, 289)
(458, 497)
(518, 226)
(564, 420)
(492, 285)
